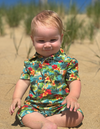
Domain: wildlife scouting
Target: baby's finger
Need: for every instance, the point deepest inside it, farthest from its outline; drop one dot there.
(19, 104)
(11, 110)
(68, 104)
(64, 102)
(72, 106)
(76, 107)
(13, 106)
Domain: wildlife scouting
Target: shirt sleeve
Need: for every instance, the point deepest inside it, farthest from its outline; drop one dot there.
(72, 70)
(25, 73)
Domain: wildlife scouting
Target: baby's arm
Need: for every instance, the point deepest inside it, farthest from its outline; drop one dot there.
(19, 91)
(72, 98)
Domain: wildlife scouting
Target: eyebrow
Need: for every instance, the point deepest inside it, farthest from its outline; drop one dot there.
(44, 37)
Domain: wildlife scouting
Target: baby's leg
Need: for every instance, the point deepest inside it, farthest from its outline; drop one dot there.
(37, 121)
(67, 119)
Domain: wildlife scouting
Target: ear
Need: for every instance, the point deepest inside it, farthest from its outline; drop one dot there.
(32, 39)
(61, 38)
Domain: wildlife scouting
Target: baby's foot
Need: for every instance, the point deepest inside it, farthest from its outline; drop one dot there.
(49, 125)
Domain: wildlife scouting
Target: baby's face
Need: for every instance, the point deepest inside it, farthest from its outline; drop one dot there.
(47, 40)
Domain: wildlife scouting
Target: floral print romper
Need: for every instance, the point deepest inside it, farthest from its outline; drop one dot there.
(48, 87)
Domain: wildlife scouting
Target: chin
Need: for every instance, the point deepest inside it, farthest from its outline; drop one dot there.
(47, 55)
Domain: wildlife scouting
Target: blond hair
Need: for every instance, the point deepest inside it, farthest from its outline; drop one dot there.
(47, 18)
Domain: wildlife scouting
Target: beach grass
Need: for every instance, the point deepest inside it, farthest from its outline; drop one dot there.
(15, 42)
(97, 55)
(73, 28)
(29, 49)
(93, 11)
(13, 16)
(1, 26)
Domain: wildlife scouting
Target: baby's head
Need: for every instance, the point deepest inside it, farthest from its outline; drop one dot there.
(47, 18)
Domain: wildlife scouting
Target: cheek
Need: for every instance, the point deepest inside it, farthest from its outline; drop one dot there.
(38, 46)
(57, 44)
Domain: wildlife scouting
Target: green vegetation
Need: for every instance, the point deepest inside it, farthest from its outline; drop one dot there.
(15, 43)
(1, 26)
(29, 49)
(13, 16)
(27, 23)
(73, 9)
(93, 11)
(2, 12)
(97, 55)
(74, 29)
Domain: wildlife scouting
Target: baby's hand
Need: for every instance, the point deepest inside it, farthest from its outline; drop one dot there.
(72, 103)
(16, 102)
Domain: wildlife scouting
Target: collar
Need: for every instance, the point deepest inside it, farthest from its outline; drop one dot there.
(37, 55)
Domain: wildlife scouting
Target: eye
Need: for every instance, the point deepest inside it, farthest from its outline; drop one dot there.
(53, 40)
(41, 41)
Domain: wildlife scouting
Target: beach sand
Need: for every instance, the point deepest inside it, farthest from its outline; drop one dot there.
(11, 67)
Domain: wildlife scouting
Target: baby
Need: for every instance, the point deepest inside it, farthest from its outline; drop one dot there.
(52, 77)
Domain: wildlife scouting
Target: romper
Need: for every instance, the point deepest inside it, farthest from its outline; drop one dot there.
(48, 87)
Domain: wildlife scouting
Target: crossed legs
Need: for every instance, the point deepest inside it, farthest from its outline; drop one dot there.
(66, 119)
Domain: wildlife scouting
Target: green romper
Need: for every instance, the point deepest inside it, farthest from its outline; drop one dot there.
(48, 87)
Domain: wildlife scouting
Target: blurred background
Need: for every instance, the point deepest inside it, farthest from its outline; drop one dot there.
(65, 2)
(81, 18)
(81, 40)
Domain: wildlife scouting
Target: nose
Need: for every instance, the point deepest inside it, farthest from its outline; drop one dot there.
(47, 45)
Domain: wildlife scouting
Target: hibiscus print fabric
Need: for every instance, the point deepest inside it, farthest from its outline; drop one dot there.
(48, 83)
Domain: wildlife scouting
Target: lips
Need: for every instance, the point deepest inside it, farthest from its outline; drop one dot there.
(47, 49)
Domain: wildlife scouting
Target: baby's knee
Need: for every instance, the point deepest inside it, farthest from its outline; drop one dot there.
(73, 119)
(79, 119)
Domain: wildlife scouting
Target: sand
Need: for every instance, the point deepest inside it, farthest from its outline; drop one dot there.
(11, 67)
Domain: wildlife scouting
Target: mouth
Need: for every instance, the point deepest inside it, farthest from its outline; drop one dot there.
(47, 49)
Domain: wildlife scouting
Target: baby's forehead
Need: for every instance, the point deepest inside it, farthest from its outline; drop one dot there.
(46, 24)
(42, 25)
